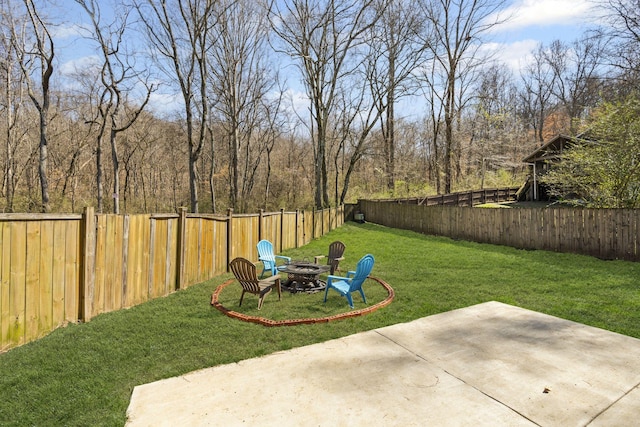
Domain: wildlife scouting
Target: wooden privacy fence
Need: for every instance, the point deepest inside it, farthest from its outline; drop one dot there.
(602, 233)
(57, 269)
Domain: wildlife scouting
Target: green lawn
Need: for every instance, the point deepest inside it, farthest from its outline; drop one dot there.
(83, 375)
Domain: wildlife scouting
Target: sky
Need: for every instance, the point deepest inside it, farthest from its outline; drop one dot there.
(531, 22)
(535, 21)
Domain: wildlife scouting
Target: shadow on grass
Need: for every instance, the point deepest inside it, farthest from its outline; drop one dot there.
(215, 301)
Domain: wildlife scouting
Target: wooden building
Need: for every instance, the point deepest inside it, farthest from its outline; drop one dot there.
(540, 162)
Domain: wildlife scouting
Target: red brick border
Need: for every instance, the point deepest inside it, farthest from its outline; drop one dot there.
(293, 322)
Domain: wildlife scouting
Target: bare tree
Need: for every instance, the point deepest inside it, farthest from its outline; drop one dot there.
(354, 123)
(115, 110)
(458, 28)
(430, 74)
(10, 103)
(271, 131)
(321, 36)
(623, 33)
(36, 62)
(621, 38)
(179, 33)
(577, 69)
(241, 82)
(494, 123)
(397, 48)
(538, 80)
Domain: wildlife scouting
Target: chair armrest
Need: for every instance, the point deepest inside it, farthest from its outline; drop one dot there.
(286, 258)
(270, 279)
(351, 273)
(317, 258)
(339, 259)
(331, 278)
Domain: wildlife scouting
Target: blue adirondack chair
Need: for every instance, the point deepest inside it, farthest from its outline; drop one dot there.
(352, 282)
(268, 258)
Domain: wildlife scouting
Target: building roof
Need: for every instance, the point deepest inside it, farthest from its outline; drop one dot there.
(552, 148)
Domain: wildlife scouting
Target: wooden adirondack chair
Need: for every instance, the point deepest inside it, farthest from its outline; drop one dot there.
(245, 272)
(336, 250)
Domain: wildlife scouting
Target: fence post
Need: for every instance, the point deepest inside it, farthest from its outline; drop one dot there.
(230, 234)
(182, 238)
(304, 228)
(281, 228)
(297, 225)
(87, 284)
(260, 217)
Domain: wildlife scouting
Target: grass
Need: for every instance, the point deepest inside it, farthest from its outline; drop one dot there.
(84, 374)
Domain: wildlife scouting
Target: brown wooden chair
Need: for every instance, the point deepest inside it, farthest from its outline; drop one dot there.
(336, 250)
(245, 272)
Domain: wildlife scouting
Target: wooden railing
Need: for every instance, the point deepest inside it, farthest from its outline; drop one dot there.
(462, 198)
(57, 269)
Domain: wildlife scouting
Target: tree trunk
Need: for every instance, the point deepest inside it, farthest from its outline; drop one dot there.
(448, 138)
(116, 171)
(44, 157)
(320, 148)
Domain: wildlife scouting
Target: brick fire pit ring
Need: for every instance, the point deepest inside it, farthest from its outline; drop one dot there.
(306, 321)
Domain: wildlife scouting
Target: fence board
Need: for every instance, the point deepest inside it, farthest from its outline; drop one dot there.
(192, 254)
(101, 265)
(308, 233)
(45, 320)
(158, 276)
(206, 265)
(114, 284)
(111, 284)
(17, 291)
(32, 281)
(172, 256)
(128, 262)
(72, 271)
(142, 258)
(5, 276)
(58, 273)
(219, 240)
(145, 226)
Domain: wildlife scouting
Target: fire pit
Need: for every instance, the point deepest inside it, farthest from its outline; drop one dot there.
(303, 276)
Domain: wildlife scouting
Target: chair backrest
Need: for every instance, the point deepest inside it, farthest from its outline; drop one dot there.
(245, 272)
(336, 250)
(265, 251)
(363, 269)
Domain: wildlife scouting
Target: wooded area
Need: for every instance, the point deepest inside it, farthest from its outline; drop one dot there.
(287, 103)
(58, 269)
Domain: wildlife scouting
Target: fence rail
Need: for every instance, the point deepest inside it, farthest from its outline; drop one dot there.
(57, 269)
(462, 198)
(602, 233)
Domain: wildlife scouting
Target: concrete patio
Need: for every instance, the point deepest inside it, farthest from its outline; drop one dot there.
(487, 365)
